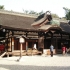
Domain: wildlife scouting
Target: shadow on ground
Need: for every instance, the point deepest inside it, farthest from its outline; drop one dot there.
(28, 67)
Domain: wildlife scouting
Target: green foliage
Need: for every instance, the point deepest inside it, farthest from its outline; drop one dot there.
(26, 11)
(40, 13)
(67, 13)
(2, 7)
(32, 12)
(55, 16)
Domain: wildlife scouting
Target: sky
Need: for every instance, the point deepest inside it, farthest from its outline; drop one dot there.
(55, 6)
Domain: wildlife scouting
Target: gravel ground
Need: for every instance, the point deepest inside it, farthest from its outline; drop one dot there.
(36, 63)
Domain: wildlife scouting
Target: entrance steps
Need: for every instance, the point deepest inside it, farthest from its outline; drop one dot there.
(3, 54)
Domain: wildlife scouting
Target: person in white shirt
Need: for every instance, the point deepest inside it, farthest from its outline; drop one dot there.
(35, 46)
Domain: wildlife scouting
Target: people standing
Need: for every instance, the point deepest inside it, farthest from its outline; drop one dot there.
(63, 49)
(34, 46)
(51, 50)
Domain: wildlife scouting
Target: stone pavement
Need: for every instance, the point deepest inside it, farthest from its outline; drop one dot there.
(57, 62)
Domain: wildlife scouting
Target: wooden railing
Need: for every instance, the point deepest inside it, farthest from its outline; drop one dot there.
(24, 52)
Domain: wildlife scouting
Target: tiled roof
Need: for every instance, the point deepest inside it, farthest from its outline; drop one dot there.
(62, 25)
(16, 20)
(65, 27)
(24, 21)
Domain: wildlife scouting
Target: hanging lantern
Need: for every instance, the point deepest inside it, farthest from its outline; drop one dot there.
(21, 40)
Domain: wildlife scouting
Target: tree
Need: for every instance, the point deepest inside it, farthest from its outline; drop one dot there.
(33, 12)
(2, 7)
(40, 13)
(67, 13)
(55, 16)
(26, 11)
